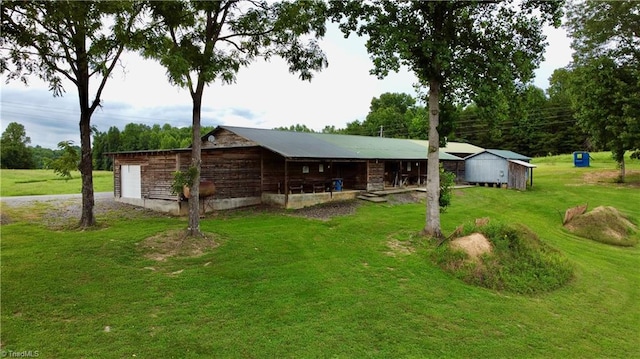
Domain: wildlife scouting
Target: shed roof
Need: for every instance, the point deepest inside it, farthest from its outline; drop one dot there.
(522, 163)
(506, 154)
(321, 145)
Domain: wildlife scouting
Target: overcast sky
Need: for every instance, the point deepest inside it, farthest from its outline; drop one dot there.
(265, 95)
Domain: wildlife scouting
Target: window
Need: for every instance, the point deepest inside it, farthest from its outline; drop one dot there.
(321, 167)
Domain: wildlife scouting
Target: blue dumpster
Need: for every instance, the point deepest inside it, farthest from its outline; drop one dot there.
(337, 184)
(581, 159)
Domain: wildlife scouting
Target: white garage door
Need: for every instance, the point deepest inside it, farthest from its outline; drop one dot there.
(131, 184)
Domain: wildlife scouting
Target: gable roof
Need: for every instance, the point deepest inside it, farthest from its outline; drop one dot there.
(321, 145)
(506, 154)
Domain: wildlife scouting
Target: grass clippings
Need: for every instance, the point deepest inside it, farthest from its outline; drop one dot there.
(176, 243)
(605, 224)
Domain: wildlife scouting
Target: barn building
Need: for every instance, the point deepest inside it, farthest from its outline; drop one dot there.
(499, 168)
(251, 166)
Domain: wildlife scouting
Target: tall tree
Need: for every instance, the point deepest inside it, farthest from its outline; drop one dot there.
(564, 133)
(200, 42)
(453, 48)
(78, 41)
(606, 97)
(390, 115)
(14, 152)
(606, 40)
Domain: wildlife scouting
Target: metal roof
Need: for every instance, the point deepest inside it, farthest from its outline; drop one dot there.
(506, 154)
(321, 145)
(522, 163)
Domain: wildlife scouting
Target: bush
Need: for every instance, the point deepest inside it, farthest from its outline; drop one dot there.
(447, 181)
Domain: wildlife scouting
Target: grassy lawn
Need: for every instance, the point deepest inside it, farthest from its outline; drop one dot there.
(282, 286)
(40, 182)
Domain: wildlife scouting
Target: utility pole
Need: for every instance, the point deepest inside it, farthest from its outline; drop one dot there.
(381, 130)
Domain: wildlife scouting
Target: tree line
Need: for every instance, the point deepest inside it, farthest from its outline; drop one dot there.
(16, 151)
(532, 122)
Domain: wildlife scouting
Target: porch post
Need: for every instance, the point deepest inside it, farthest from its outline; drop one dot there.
(286, 183)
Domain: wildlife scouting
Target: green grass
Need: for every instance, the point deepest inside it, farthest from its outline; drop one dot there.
(42, 182)
(281, 286)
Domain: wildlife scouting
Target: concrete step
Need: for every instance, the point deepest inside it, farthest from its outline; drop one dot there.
(372, 199)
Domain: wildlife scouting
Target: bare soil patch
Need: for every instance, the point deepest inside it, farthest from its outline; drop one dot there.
(326, 211)
(399, 247)
(608, 177)
(176, 243)
(474, 245)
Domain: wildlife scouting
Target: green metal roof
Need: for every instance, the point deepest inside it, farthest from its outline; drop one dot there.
(321, 145)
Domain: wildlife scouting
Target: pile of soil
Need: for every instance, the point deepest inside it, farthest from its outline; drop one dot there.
(604, 224)
(475, 245)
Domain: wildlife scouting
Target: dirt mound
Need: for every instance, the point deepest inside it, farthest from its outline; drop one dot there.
(604, 224)
(474, 245)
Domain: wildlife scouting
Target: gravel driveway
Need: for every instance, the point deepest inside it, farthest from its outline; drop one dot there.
(67, 208)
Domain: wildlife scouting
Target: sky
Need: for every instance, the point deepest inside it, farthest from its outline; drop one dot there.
(265, 94)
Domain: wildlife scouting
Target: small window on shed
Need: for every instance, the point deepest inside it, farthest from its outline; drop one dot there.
(305, 169)
(321, 167)
(408, 166)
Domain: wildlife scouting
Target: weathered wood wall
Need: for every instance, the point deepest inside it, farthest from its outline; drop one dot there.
(455, 167)
(226, 139)
(156, 172)
(375, 176)
(310, 176)
(234, 171)
(517, 176)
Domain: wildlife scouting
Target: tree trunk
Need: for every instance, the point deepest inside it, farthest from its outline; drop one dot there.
(196, 162)
(432, 227)
(87, 218)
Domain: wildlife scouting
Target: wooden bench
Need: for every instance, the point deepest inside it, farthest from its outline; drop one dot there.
(295, 186)
(318, 187)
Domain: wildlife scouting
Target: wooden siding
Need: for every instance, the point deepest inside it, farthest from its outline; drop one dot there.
(227, 139)
(234, 172)
(309, 176)
(455, 167)
(375, 176)
(272, 172)
(156, 173)
(518, 176)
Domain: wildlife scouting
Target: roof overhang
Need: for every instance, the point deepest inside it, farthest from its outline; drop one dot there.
(523, 163)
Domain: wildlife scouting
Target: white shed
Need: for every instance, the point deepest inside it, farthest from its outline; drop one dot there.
(498, 167)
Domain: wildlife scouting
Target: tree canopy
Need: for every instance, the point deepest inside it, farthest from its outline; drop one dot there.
(605, 73)
(200, 42)
(75, 41)
(14, 152)
(454, 49)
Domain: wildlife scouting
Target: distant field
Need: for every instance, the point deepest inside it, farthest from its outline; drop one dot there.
(355, 286)
(41, 182)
